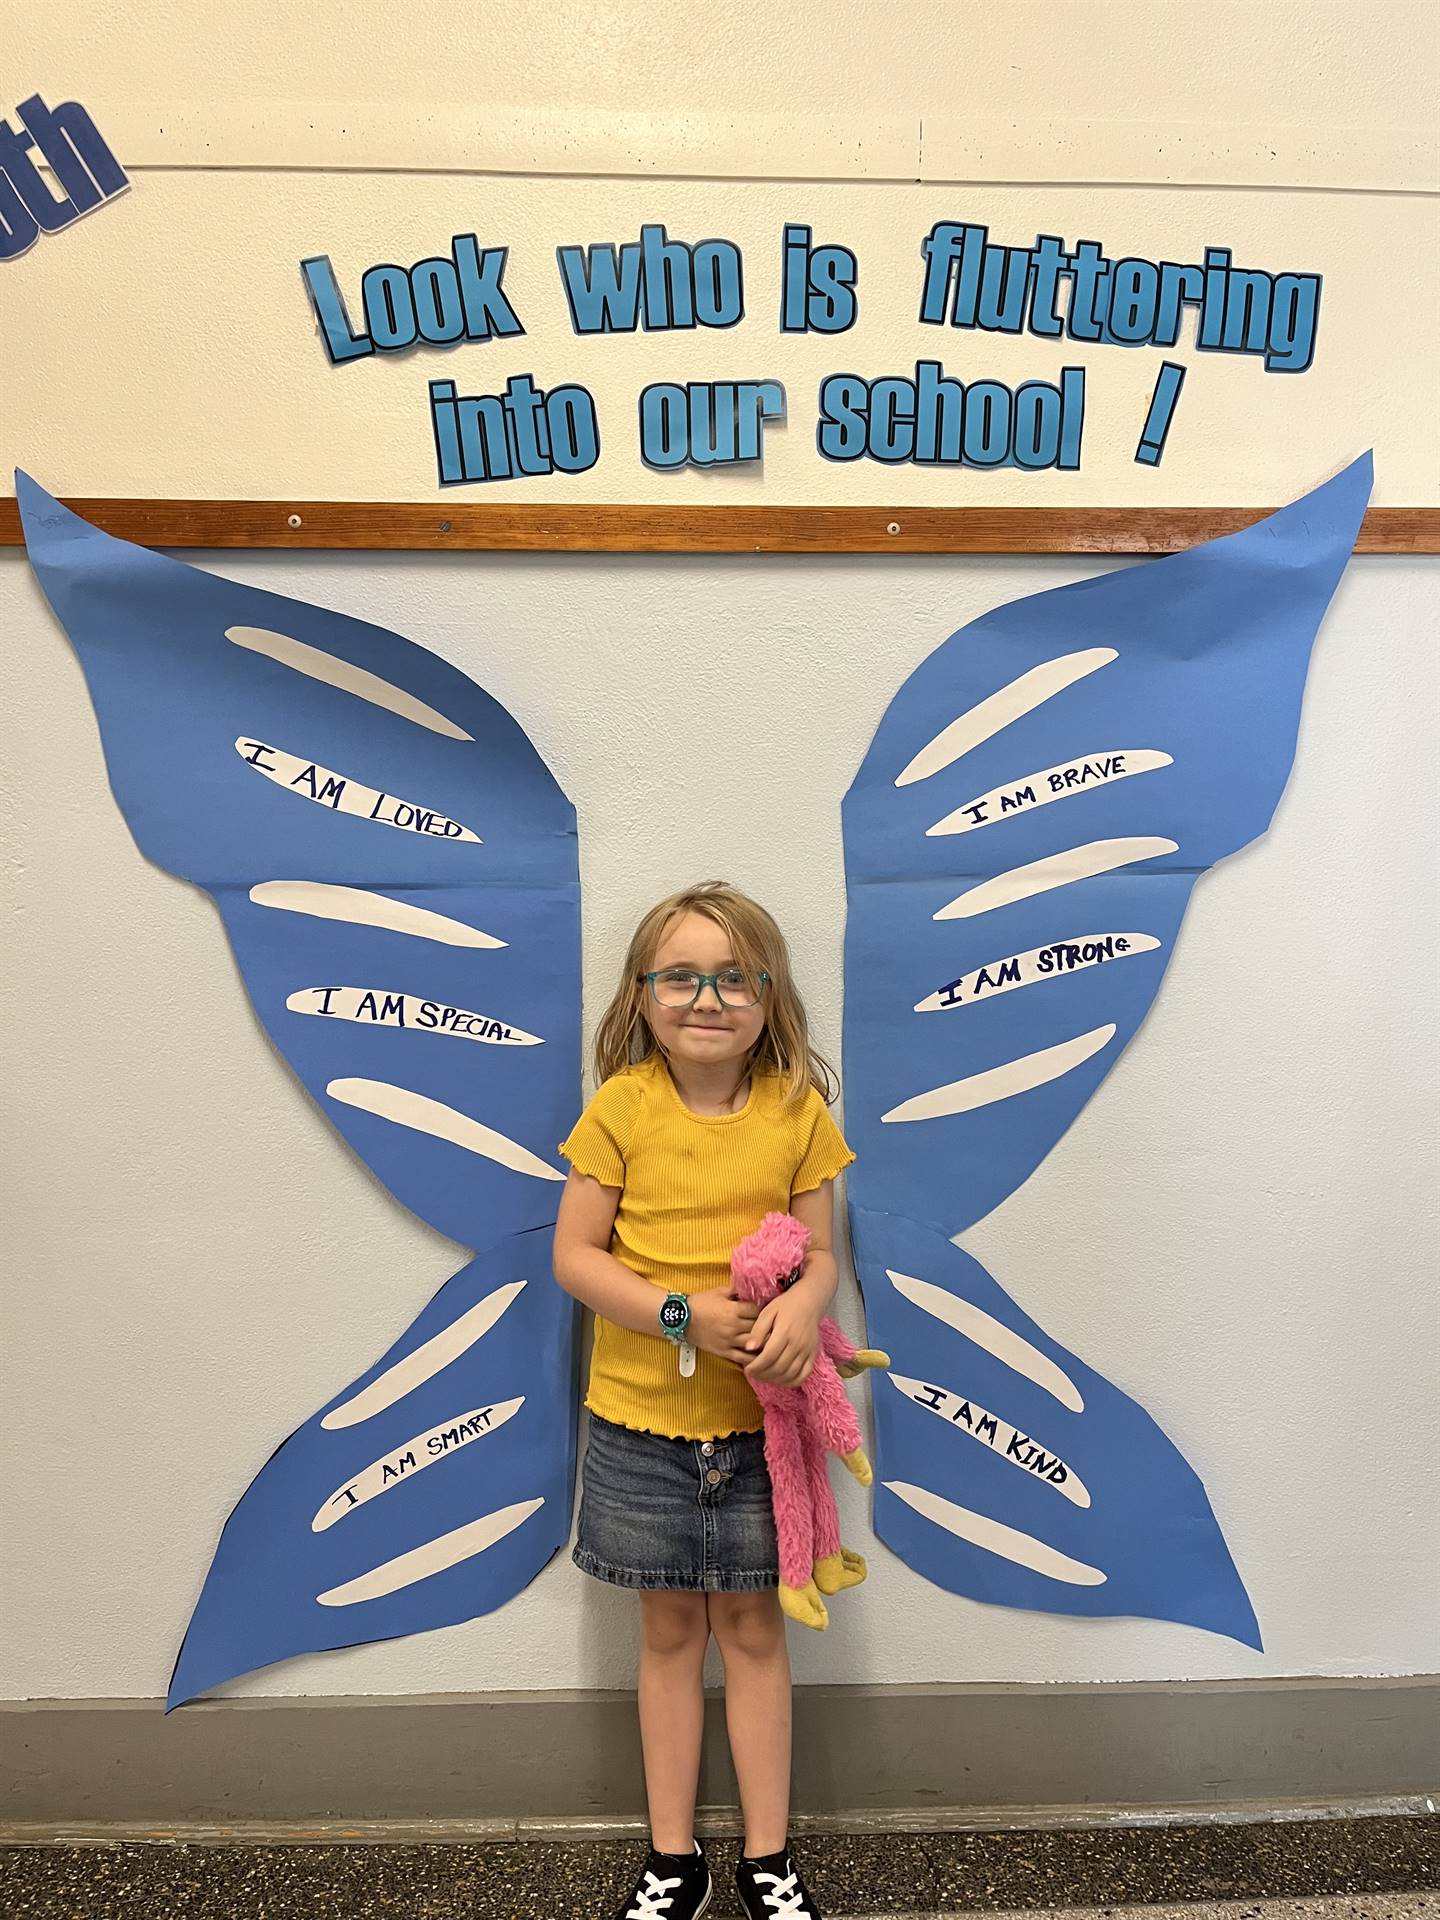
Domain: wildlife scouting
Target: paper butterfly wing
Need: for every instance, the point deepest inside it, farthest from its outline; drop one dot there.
(431, 1490)
(362, 761)
(1133, 728)
(1010, 1472)
(1021, 842)
(455, 1109)
(396, 869)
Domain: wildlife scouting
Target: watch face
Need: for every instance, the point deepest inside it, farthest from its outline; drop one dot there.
(674, 1313)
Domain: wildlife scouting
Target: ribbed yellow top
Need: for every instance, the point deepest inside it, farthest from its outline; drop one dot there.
(692, 1186)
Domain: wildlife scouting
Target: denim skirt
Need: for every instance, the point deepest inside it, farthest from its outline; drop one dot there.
(690, 1514)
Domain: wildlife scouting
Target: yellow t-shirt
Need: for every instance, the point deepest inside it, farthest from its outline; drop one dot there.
(691, 1186)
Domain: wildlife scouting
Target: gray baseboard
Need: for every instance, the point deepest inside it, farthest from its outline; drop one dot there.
(573, 1757)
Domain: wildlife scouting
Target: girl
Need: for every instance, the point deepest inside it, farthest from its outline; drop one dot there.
(711, 1112)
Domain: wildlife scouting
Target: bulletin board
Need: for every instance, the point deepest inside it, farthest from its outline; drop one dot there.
(438, 361)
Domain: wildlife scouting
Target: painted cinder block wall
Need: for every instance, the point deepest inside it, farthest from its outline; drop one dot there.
(1241, 1226)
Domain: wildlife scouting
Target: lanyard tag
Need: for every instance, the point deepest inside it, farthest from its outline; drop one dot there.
(687, 1358)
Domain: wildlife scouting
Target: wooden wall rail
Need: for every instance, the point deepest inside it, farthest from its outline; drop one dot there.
(470, 525)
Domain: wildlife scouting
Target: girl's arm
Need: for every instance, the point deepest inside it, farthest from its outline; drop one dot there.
(816, 1210)
(787, 1333)
(586, 1268)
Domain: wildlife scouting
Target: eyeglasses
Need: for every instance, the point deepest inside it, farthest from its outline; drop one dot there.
(681, 986)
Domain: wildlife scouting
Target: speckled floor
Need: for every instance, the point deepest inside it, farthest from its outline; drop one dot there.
(1378, 1868)
(1340, 1906)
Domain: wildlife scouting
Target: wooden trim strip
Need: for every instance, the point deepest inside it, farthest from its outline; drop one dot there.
(400, 526)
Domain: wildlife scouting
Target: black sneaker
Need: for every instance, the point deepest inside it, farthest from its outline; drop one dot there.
(771, 1888)
(671, 1887)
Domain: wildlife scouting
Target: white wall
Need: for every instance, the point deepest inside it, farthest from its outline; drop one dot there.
(198, 1262)
(1240, 1228)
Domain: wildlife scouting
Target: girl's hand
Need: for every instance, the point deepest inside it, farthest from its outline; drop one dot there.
(784, 1340)
(720, 1324)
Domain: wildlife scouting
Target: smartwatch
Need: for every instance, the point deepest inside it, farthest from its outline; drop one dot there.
(674, 1316)
(674, 1321)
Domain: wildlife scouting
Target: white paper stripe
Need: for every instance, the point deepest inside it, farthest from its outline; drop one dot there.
(1011, 1444)
(1011, 1077)
(1060, 959)
(326, 901)
(1011, 1349)
(422, 1363)
(411, 1457)
(342, 793)
(1001, 709)
(447, 1550)
(1053, 870)
(1008, 1543)
(335, 672)
(1105, 766)
(407, 1013)
(424, 1115)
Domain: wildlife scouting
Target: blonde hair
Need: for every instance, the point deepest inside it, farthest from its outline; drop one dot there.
(624, 1037)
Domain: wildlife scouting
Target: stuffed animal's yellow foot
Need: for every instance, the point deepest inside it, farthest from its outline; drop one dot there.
(864, 1357)
(804, 1605)
(856, 1562)
(858, 1465)
(836, 1571)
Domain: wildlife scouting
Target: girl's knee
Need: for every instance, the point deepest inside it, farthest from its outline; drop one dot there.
(673, 1622)
(748, 1624)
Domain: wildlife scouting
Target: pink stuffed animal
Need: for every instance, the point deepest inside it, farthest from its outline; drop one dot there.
(802, 1425)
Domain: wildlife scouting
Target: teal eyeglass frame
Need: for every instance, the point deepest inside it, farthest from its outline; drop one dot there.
(703, 980)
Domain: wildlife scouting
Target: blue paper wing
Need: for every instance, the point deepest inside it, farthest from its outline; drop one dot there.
(1190, 670)
(432, 1489)
(336, 711)
(396, 869)
(1021, 842)
(1009, 1471)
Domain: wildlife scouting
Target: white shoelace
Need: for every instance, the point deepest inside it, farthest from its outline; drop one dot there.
(653, 1898)
(786, 1900)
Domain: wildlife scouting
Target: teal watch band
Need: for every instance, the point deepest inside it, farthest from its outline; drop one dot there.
(674, 1316)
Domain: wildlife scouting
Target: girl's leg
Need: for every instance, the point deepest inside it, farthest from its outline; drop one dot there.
(674, 1633)
(749, 1629)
